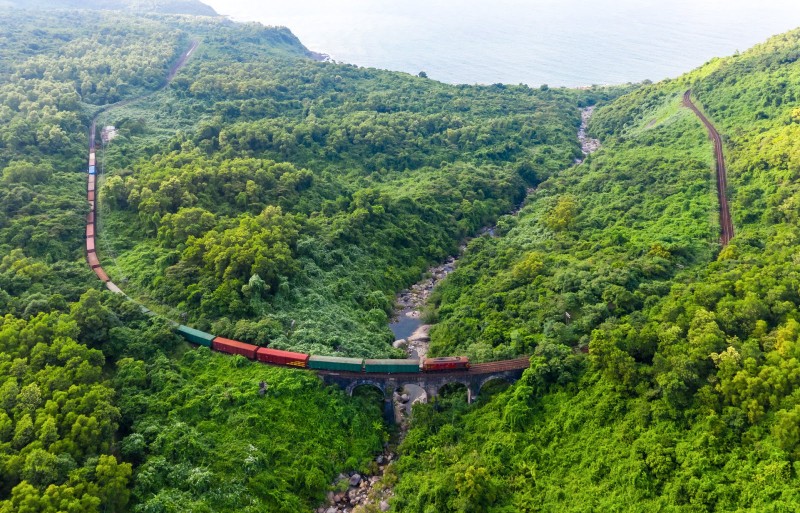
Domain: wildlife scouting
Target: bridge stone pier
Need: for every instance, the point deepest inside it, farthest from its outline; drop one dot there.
(431, 382)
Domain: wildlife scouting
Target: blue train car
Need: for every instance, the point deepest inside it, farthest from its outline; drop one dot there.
(91, 170)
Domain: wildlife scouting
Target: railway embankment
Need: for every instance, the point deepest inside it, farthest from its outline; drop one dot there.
(725, 220)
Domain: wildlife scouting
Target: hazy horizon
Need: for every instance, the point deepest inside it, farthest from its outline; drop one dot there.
(561, 43)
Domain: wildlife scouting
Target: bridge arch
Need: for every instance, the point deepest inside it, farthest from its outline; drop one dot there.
(381, 386)
(457, 384)
(507, 379)
(413, 386)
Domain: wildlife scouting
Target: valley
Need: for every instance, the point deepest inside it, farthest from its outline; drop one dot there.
(628, 350)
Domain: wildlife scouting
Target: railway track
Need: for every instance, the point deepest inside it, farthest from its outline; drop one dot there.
(725, 221)
(91, 218)
(522, 362)
(477, 369)
(94, 263)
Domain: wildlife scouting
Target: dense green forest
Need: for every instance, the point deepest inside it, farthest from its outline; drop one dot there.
(104, 408)
(284, 206)
(292, 199)
(283, 201)
(687, 400)
(598, 241)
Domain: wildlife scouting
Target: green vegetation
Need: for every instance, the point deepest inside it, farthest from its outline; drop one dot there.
(57, 420)
(687, 400)
(298, 197)
(98, 400)
(600, 240)
(47, 91)
(204, 440)
(282, 201)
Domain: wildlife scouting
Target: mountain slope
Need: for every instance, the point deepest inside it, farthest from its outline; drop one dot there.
(284, 201)
(99, 408)
(687, 400)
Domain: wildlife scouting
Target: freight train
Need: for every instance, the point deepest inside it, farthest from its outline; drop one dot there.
(263, 354)
(327, 363)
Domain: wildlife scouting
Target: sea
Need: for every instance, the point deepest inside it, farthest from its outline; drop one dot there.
(570, 43)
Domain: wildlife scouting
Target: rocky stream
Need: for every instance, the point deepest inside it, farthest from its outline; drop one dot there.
(356, 493)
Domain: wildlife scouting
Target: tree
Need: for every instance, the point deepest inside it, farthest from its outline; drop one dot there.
(40, 468)
(562, 216)
(93, 317)
(112, 482)
(26, 172)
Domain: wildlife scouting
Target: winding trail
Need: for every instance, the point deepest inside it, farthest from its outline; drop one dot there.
(725, 221)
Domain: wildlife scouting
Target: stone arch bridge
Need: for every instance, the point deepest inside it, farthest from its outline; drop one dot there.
(473, 379)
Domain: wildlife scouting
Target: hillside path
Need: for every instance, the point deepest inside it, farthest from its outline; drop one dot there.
(725, 220)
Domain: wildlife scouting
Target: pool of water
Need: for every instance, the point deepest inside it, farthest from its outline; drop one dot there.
(404, 326)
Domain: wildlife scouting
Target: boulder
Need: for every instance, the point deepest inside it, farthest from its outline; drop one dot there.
(355, 479)
(384, 506)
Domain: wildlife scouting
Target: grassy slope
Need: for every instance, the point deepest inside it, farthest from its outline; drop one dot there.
(206, 440)
(637, 212)
(689, 405)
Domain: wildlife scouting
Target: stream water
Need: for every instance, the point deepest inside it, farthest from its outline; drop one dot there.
(358, 491)
(407, 323)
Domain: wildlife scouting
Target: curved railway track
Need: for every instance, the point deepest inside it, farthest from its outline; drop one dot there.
(725, 221)
(94, 263)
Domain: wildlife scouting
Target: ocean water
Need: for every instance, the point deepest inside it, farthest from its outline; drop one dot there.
(555, 42)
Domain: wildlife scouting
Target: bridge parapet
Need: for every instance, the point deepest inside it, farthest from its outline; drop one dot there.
(474, 380)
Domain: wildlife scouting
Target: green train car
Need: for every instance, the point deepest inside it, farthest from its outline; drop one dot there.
(195, 336)
(391, 366)
(335, 363)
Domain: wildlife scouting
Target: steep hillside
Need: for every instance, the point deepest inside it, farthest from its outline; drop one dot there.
(687, 400)
(277, 199)
(99, 408)
(598, 241)
(282, 201)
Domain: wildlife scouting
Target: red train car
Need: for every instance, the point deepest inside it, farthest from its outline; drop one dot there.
(91, 182)
(93, 260)
(90, 245)
(100, 273)
(89, 230)
(90, 196)
(445, 363)
(91, 159)
(280, 357)
(90, 217)
(226, 345)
